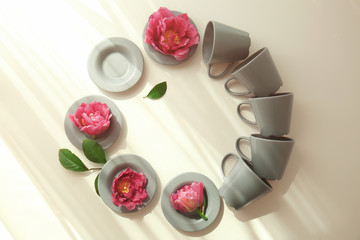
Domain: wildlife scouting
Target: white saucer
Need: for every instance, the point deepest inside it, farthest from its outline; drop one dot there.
(181, 221)
(163, 58)
(113, 168)
(106, 139)
(115, 65)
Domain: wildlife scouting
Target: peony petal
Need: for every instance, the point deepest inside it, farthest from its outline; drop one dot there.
(88, 109)
(181, 26)
(162, 13)
(183, 43)
(165, 12)
(163, 25)
(190, 204)
(193, 37)
(100, 108)
(157, 48)
(80, 111)
(129, 205)
(74, 120)
(87, 120)
(176, 203)
(181, 54)
(139, 196)
(184, 16)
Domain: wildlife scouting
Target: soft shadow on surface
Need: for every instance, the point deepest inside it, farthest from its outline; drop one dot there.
(112, 22)
(296, 157)
(273, 200)
(219, 68)
(120, 143)
(260, 207)
(210, 228)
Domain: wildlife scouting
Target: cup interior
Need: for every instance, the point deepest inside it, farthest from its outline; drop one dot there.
(208, 43)
(248, 60)
(273, 138)
(249, 165)
(274, 95)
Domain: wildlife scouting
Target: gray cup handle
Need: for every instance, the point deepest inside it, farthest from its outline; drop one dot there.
(241, 116)
(223, 163)
(221, 74)
(237, 145)
(234, 93)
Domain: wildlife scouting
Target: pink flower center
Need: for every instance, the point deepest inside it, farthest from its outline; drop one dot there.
(94, 118)
(168, 34)
(123, 187)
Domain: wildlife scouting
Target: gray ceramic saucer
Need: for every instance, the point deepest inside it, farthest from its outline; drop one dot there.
(114, 167)
(182, 221)
(163, 58)
(106, 139)
(115, 65)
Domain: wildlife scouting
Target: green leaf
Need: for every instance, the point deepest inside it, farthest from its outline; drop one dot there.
(70, 161)
(93, 151)
(96, 184)
(158, 91)
(204, 205)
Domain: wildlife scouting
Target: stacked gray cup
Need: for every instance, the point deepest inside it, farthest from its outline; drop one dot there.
(270, 150)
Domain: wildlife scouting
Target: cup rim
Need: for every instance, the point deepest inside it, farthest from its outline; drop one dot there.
(272, 138)
(274, 95)
(208, 48)
(248, 164)
(250, 59)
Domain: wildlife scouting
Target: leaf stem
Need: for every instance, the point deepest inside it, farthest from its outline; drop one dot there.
(201, 214)
(95, 169)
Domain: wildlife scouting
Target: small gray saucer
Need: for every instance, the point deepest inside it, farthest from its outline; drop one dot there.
(182, 221)
(115, 64)
(113, 168)
(106, 139)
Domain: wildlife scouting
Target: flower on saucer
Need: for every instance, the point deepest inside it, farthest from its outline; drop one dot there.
(189, 198)
(170, 34)
(92, 118)
(128, 189)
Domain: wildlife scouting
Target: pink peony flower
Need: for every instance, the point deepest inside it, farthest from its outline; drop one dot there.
(92, 118)
(128, 189)
(170, 34)
(189, 198)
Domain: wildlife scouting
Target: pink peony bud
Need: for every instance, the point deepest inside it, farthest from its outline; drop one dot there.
(92, 118)
(170, 34)
(189, 198)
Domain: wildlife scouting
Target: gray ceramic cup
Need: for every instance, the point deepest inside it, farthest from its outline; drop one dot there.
(224, 44)
(258, 74)
(272, 113)
(269, 156)
(242, 185)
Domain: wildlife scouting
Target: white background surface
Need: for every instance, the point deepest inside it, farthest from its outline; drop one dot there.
(43, 52)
